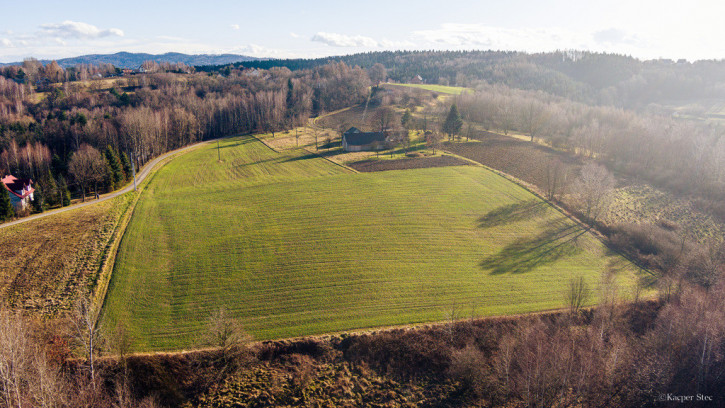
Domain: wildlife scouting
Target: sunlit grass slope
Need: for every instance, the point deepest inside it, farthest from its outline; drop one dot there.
(295, 245)
(451, 90)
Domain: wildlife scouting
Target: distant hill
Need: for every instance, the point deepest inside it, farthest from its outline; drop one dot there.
(134, 60)
(590, 77)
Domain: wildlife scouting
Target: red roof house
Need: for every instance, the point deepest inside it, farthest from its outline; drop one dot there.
(21, 191)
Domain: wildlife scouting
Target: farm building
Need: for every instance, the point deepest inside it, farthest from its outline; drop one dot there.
(353, 140)
(21, 191)
(417, 80)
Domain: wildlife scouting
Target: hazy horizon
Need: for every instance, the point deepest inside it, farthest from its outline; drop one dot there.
(644, 30)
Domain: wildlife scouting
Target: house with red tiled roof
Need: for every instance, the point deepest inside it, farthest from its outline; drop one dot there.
(21, 191)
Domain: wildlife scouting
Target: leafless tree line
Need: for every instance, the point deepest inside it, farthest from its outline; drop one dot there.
(678, 154)
(165, 111)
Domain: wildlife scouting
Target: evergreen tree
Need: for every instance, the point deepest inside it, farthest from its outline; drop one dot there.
(38, 202)
(58, 165)
(126, 165)
(453, 124)
(63, 192)
(290, 93)
(406, 119)
(108, 178)
(6, 207)
(115, 167)
(50, 196)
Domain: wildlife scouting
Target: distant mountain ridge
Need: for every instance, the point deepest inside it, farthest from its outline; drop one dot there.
(134, 60)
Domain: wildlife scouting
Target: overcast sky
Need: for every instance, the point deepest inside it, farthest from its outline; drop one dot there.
(644, 29)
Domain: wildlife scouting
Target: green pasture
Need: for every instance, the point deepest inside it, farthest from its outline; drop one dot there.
(294, 245)
(451, 90)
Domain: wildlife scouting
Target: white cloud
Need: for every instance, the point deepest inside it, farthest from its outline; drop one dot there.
(75, 29)
(5, 42)
(235, 26)
(294, 35)
(615, 36)
(477, 36)
(173, 39)
(342, 40)
(397, 45)
(480, 36)
(256, 50)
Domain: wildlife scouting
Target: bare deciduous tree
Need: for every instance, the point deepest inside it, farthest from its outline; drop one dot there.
(26, 377)
(534, 118)
(224, 331)
(593, 191)
(556, 178)
(87, 166)
(86, 332)
(577, 294)
(377, 73)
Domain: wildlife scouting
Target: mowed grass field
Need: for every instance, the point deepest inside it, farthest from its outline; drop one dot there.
(295, 245)
(444, 89)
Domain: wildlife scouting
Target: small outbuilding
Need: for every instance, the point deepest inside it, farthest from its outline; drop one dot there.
(353, 140)
(21, 191)
(417, 80)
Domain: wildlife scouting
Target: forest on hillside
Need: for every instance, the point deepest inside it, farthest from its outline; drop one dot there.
(44, 134)
(596, 105)
(593, 78)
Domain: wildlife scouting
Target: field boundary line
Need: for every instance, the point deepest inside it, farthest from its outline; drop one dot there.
(372, 330)
(331, 161)
(98, 297)
(535, 191)
(265, 143)
(324, 115)
(308, 151)
(361, 331)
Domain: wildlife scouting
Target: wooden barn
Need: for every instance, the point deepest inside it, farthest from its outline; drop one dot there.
(353, 140)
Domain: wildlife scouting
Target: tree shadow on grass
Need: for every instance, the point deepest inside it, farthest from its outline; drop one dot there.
(255, 163)
(240, 142)
(313, 155)
(525, 254)
(307, 156)
(512, 213)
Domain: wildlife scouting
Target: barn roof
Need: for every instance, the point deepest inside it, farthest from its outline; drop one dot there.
(364, 138)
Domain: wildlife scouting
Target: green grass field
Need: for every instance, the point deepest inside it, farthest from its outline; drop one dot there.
(295, 245)
(451, 90)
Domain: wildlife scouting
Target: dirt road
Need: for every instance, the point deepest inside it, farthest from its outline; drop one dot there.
(140, 176)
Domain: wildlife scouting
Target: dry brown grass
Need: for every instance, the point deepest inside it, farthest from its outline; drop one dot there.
(45, 265)
(288, 140)
(633, 201)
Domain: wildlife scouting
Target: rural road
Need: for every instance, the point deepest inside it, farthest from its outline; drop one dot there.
(140, 176)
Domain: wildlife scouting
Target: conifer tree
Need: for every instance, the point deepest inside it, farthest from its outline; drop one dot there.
(38, 202)
(63, 192)
(50, 196)
(6, 207)
(126, 165)
(453, 124)
(115, 166)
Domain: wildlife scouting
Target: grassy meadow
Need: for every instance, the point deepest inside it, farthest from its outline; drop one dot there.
(293, 245)
(450, 90)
